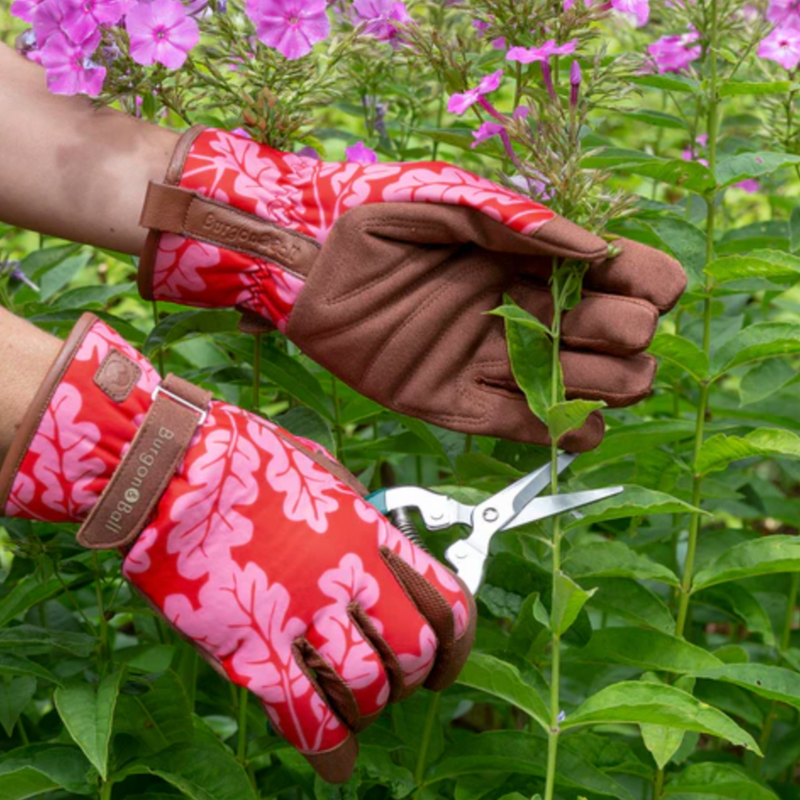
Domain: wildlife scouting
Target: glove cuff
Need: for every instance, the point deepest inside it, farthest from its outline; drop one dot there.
(101, 440)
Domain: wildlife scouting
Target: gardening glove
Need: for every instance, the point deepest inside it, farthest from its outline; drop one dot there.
(254, 545)
(383, 273)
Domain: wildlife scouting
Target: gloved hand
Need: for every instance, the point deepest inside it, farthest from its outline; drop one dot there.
(254, 545)
(383, 273)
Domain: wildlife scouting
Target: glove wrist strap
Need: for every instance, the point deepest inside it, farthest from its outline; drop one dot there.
(124, 507)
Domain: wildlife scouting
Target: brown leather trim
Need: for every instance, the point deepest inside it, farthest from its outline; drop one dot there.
(33, 417)
(336, 765)
(117, 376)
(147, 259)
(171, 209)
(148, 466)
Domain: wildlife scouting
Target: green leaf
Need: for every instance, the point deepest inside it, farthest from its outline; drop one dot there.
(631, 601)
(658, 118)
(530, 351)
(645, 648)
(30, 636)
(682, 352)
(86, 296)
(773, 265)
(39, 768)
(58, 276)
(774, 683)
(671, 82)
(664, 742)
(17, 665)
(15, 694)
(689, 175)
(158, 717)
(737, 601)
(177, 327)
(720, 450)
(503, 680)
(29, 593)
(766, 556)
(307, 423)
(657, 704)
(40, 261)
(376, 765)
(612, 559)
(570, 415)
(716, 780)
(755, 343)
(524, 754)
(634, 501)
(684, 241)
(511, 311)
(289, 374)
(568, 600)
(764, 379)
(200, 771)
(735, 88)
(88, 714)
(733, 169)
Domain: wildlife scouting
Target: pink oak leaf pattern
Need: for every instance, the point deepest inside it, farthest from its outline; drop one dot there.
(221, 480)
(308, 487)
(180, 264)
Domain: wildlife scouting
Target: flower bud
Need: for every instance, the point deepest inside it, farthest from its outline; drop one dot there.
(574, 83)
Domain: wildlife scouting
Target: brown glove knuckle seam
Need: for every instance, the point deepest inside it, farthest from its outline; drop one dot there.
(387, 657)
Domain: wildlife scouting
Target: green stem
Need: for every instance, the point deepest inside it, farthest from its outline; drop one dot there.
(257, 374)
(786, 636)
(241, 742)
(337, 420)
(702, 405)
(658, 785)
(105, 650)
(23, 734)
(159, 352)
(105, 790)
(422, 758)
(555, 665)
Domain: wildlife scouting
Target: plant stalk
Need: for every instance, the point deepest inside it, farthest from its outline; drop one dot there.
(257, 374)
(702, 405)
(422, 758)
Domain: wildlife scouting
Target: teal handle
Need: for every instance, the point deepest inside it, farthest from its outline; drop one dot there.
(378, 499)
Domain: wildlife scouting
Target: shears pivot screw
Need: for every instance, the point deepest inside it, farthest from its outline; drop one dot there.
(491, 514)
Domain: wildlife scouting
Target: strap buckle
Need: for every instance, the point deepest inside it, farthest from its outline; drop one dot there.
(202, 412)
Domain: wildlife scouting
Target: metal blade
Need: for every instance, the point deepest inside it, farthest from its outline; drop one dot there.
(543, 507)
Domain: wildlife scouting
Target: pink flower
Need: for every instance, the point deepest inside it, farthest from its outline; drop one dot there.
(782, 46)
(781, 12)
(24, 8)
(69, 69)
(487, 131)
(459, 103)
(749, 185)
(675, 53)
(292, 27)
(65, 16)
(161, 31)
(359, 153)
(638, 9)
(528, 55)
(381, 16)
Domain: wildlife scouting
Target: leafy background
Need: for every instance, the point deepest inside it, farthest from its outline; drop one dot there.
(680, 663)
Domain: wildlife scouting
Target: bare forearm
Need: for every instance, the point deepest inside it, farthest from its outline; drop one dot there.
(26, 354)
(70, 170)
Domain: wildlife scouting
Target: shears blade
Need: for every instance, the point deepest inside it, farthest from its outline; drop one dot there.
(543, 507)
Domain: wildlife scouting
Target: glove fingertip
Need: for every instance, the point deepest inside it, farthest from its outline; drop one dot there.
(568, 240)
(337, 765)
(586, 437)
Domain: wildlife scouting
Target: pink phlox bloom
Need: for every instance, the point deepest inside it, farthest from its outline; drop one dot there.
(528, 55)
(69, 68)
(65, 16)
(538, 189)
(487, 131)
(381, 17)
(638, 9)
(782, 12)
(499, 43)
(24, 8)
(292, 27)
(749, 185)
(460, 102)
(782, 46)
(161, 31)
(520, 112)
(480, 26)
(83, 13)
(309, 152)
(241, 132)
(675, 53)
(359, 153)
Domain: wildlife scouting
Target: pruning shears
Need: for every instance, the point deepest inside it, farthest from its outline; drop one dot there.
(517, 504)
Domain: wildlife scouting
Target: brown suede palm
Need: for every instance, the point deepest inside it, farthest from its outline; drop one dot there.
(396, 305)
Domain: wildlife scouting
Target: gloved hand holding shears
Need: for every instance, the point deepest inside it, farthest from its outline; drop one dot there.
(256, 546)
(383, 273)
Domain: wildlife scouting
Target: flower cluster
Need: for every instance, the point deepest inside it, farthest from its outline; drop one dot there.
(68, 37)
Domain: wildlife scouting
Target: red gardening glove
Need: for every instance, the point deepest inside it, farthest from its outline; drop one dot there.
(383, 273)
(251, 544)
